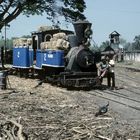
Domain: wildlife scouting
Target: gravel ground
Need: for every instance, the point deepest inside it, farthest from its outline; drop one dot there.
(54, 113)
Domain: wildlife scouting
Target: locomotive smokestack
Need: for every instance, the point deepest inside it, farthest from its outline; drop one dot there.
(82, 30)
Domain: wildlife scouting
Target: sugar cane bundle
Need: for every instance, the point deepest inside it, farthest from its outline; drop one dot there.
(53, 39)
(22, 42)
(66, 44)
(45, 45)
(53, 45)
(15, 43)
(59, 36)
(42, 45)
(59, 43)
(29, 41)
(62, 44)
(45, 28)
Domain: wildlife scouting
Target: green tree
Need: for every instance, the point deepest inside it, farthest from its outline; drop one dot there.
(26, 36)
(70, 9)
(123, 41)
(104, 45)
(9, 43)
(1, 42)
(136, 43)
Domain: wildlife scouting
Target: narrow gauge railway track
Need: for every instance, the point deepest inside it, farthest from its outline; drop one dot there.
(126, 76)
(130, 88)
(132, 91)
(112, 97)
(118, 94)
(124, 82)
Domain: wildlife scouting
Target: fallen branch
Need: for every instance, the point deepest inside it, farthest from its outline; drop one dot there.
(19, 133)
(77, 130)
(105, 118)
(8, 134)
(104, 126)
(12, 130)
(102, 137)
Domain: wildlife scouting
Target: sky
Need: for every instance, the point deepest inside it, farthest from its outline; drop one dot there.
(106, 16)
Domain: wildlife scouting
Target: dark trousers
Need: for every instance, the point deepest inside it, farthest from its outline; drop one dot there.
(111, 79)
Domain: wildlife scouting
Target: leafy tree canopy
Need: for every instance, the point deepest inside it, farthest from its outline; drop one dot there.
(70, 9)
(123, 41)
(104, 45)
(136, 43)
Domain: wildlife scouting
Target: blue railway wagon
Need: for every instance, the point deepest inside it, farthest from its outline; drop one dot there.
(22, 57)
(31, 57)
(39, 58)
(53, 58)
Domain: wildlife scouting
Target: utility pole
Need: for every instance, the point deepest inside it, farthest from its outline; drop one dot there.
(5, 41)
(2, 49)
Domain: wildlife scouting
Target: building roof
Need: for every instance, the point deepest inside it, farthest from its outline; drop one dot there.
(115, 33)
(108, 50)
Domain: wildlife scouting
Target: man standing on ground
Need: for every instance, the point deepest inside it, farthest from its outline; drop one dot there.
(111, 74)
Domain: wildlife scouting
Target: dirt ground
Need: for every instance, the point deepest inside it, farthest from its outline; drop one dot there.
(54, 113)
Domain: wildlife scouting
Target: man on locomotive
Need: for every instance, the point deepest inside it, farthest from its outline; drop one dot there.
(106, 69)
(103, 68)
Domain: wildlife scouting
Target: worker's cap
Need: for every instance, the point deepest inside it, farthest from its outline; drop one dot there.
(111, 62)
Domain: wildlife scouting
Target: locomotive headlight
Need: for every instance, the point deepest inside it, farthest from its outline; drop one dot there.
(88, 62)
(88, 32)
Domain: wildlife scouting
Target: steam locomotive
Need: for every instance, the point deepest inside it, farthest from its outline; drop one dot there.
(67, 62)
